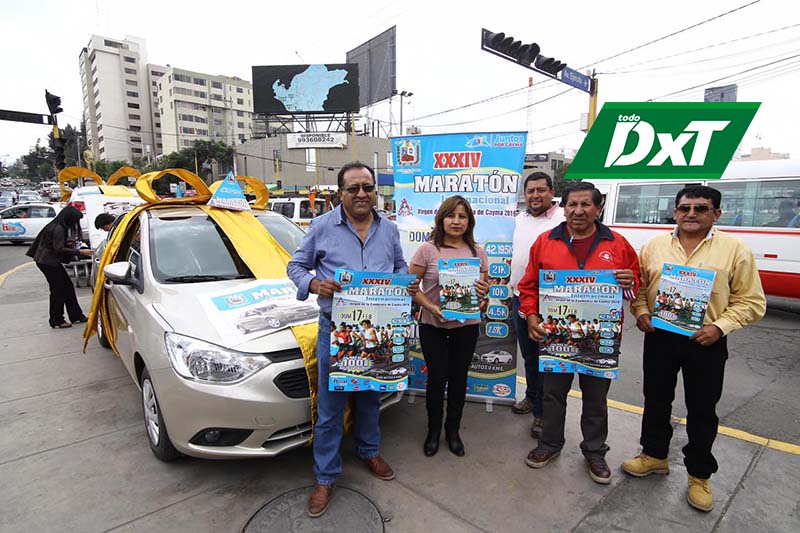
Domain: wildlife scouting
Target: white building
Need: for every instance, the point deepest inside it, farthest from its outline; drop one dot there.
(194, 106)
(118, 99)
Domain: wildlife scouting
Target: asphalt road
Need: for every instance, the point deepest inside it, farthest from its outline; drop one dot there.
(12, 255)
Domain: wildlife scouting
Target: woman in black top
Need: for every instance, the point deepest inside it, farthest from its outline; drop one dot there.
(51, 248)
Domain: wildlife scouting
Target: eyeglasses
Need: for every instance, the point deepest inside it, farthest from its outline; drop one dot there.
(700, 209)
(353, 189)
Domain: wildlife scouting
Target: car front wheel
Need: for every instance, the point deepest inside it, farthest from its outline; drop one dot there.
(101, 335)
(154, 423)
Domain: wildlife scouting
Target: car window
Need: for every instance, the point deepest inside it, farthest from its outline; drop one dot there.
(284, 208)
(16, 212)
(131, 243)
(193, 246)
(288, 235)
(40, 211)
(135, 252)
(305, 210)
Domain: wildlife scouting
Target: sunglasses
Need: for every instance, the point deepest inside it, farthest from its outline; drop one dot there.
(685, 208)
(353, 189)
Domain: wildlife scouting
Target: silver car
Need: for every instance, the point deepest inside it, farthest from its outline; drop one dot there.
(201, 397)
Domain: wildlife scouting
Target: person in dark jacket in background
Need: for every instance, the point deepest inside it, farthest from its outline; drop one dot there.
(51, 248)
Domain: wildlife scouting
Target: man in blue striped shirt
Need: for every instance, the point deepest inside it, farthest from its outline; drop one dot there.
(356, 237)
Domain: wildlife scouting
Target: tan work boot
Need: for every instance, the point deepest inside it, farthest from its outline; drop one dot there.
(699, 494)
(643, 465)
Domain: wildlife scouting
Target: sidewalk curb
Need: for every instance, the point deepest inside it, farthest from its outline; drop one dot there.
(5, 275)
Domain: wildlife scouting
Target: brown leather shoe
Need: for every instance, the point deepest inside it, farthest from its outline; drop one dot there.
(379, 468)
(598, 470)
(539, 457)
(319, 500)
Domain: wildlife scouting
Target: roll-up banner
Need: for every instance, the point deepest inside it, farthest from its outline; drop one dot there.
(484, 168)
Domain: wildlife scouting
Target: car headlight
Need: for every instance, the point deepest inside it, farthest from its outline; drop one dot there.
(203, 361)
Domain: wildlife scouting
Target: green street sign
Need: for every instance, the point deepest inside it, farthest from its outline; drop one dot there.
(662, 140)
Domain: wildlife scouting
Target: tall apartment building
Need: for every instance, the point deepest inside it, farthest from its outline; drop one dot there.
(119, 92)
(194, 106)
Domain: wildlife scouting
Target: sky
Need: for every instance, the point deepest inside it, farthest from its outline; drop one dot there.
(438, 56)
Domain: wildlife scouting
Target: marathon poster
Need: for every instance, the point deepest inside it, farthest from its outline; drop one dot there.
(682, 299)
(486, 169)
(253, 309)
(369, 332)
(457, 288)
(581, 312)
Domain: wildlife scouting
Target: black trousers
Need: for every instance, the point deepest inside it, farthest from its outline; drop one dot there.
(594, 412)
(448, 354)
(62, 293)
(703, 369)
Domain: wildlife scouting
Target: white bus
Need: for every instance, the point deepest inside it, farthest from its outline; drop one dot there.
(760, 205)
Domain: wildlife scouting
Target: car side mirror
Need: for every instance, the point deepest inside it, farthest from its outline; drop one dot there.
(120, 273)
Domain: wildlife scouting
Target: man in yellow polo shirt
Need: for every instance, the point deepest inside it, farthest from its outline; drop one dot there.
(737, 300)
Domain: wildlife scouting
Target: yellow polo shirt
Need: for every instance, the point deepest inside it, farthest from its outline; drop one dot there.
(737, 298)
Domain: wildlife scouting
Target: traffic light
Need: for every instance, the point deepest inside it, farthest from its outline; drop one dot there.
(526, 55)
(53, 102)
(58, 153)
(548, 65)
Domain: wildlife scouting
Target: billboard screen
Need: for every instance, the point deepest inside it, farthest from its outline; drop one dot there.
(289, 89)
(377, 60)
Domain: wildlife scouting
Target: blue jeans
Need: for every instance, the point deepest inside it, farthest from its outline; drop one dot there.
(329, 427)
(530, 355)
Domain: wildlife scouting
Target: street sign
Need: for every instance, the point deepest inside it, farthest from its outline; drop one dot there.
(576, 79)
(21, 116)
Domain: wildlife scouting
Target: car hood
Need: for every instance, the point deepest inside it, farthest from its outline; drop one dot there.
(182, 306)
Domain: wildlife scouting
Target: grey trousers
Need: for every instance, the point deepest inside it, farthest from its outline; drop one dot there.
(594, 415)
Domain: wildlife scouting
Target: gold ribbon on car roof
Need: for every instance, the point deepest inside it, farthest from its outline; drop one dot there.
(74, 173)
(258, 249)
(122, 172)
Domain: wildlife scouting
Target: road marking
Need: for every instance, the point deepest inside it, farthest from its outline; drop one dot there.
(6, 274)
(722, 430)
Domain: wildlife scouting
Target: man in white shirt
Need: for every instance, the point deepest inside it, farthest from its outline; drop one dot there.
(541, 215)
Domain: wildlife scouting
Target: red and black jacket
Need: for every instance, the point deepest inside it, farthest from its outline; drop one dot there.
(553, 251)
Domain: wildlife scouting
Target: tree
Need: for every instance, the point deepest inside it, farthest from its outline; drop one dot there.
(37, 164)
(206, 152)
(70, 135)
(559, 183)
(104, 169)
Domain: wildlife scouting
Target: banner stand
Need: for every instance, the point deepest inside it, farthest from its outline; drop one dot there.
(490, 402)
(486, 170)
(412, 395)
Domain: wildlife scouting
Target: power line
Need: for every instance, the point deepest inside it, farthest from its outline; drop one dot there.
(498, 114)
(723, 78)
(687, 28)
(712, 59)
(706, 47)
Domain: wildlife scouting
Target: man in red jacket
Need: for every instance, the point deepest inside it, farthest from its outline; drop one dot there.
(579, 243)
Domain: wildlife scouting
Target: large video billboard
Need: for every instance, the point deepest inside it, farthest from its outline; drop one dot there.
(377, 67)
(289, 89)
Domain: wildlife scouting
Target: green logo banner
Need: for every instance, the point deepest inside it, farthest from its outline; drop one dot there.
(662, 140)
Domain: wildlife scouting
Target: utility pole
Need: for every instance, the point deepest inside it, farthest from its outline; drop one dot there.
(352, 135)
(529, 148)
(593, 101)
(402, 95)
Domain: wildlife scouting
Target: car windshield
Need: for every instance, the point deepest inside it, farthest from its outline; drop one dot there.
(193, 249)
(285, 231)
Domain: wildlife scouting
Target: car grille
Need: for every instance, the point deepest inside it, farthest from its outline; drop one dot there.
(293, 383)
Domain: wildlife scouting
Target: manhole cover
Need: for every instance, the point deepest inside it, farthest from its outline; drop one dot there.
(348, 511)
